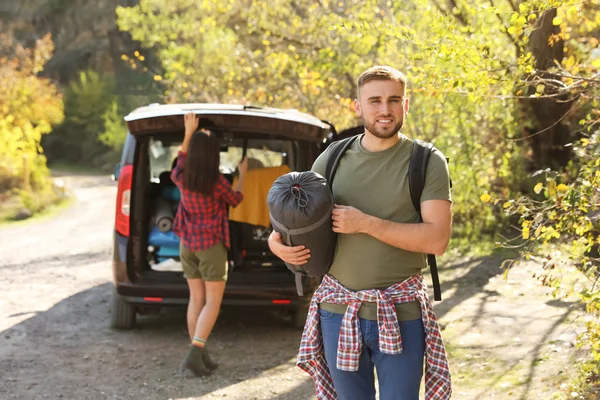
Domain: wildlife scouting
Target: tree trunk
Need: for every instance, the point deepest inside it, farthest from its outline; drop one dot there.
(549, 133)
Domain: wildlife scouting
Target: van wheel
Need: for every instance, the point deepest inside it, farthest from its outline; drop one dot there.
(122, 313)
(299, 317)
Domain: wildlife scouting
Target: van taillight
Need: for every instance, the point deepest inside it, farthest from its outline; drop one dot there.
(123, 200)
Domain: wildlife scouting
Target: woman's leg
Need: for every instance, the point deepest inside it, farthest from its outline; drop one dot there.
(210, 311)
(206, 321)
(195, 305)
(197, 358)
(213, 268)
(194, 269)
(191, 272)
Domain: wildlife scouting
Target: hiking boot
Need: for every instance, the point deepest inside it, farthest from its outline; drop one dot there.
(194, 361)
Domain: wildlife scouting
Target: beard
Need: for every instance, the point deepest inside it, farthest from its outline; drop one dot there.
(382, 133)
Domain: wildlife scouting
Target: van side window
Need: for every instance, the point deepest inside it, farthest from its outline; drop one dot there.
(161, 156)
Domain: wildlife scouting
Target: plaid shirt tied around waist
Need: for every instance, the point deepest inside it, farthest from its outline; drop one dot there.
(311, 357)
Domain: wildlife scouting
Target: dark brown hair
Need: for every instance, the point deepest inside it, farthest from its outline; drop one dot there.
(201, 169)
(380, 73)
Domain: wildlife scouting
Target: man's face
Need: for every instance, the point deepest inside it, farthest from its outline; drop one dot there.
(382, 106)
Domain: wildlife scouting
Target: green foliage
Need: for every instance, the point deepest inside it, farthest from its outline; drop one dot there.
(471, 70)
(114, 127)
(587, 384)
(29, 106)
(56, 6)
(565, 212)
(86, 101)
(464, 70)
(95, 104)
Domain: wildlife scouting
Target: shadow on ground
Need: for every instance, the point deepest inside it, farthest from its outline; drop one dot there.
(481, 311)
(69, 351)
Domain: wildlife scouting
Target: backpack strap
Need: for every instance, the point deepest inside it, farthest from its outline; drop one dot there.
(435, 278)
(417, 169)
(299, 286)
(416, 181)
(334, 158)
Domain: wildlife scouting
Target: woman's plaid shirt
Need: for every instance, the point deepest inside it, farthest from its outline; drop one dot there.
(201, 221)
(311, 357)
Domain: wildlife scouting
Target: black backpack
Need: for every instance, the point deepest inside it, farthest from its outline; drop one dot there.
(416, 170)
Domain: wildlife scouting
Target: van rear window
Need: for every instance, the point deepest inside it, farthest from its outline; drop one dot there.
(261, 154)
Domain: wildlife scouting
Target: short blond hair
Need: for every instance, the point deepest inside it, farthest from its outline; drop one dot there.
(380, 73)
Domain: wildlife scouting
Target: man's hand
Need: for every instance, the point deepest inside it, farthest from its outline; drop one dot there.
(348, 219)
(297, 255)
(190, 120)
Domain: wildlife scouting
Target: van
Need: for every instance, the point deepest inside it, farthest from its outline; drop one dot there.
(146, 269)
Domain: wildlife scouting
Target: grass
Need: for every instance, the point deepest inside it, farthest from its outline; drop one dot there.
(7, 216)
(46, 205)
(51, 204)
(587, 383)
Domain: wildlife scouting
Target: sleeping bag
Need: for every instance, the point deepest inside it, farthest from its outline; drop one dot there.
(300, 206)
(163, 215)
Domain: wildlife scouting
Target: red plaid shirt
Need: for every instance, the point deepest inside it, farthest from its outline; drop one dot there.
(201, 220)
(311, 357)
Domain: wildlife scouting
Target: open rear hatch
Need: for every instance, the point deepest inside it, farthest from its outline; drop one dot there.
(273, 139)
(290, 124)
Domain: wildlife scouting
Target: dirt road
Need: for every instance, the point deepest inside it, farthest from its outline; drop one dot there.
(54, 323)
(507, 339)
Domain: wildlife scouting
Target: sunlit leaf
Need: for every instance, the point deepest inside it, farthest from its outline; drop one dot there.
(538, 187)
(562, 187)
(552, 188)
(570, 62)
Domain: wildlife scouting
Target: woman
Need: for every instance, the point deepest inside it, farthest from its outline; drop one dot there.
(202, 226)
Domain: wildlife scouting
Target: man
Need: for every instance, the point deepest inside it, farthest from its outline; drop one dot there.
(381, 250)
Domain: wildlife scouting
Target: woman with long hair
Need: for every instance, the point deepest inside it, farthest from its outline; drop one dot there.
(202, 225)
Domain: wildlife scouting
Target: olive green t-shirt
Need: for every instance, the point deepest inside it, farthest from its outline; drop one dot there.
(377, 184)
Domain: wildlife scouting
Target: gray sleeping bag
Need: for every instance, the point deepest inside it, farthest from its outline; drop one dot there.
(300, 205)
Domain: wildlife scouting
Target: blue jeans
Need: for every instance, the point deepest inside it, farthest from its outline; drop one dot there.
(399, 375)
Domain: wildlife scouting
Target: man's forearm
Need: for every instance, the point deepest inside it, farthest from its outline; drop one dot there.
(418, 238)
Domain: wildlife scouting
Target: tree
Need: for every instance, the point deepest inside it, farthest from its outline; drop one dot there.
(29, 106)
(470, 65)
(86, 101)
